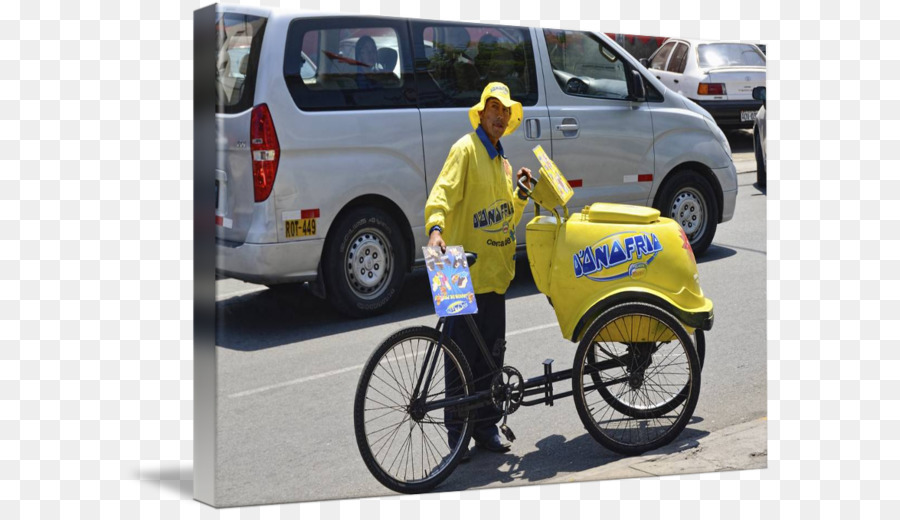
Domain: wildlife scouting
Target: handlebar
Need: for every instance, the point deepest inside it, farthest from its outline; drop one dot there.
(523, 186)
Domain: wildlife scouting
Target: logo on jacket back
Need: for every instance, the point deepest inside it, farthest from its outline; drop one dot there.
(495, 218)
(617, 256)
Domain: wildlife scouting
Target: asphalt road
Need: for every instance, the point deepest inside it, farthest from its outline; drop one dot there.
(288, 369)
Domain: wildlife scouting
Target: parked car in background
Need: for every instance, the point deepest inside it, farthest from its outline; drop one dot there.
(759, 137)
(718, 76)
(324, 165)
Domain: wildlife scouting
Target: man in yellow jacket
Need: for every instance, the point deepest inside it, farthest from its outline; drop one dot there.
(475, 203)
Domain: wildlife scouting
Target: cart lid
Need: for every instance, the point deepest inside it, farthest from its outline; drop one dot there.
(620, 213)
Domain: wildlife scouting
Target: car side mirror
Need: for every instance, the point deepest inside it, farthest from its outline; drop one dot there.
(645, 62)
(759, 94)
(638, 92)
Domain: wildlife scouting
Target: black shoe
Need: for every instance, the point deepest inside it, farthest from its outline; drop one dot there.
(494, 443)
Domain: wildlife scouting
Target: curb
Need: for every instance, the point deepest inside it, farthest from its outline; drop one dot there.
(738, 447)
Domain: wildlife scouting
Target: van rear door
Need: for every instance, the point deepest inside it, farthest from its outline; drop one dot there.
(238, 47)
(351, 131)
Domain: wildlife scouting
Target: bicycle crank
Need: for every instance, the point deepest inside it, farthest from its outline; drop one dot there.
(507, 393)
(507, 390)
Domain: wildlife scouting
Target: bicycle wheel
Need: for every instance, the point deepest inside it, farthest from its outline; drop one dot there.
(408, 449)
(635, 378)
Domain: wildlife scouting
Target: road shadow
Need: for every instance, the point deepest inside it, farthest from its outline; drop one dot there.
(761, 189)
(715, 252)
(554, 455)
(740, 140)
(288, 314)
(169, 477)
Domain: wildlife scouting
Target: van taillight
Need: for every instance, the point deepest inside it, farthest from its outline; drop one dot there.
(711, 89)
(265, 151)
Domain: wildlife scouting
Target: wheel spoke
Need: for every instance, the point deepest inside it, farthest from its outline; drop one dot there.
(384, 395)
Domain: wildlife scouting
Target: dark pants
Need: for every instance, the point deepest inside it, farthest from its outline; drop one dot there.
(491, 322)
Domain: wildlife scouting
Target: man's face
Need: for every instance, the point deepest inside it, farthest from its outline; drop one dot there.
(494, 119)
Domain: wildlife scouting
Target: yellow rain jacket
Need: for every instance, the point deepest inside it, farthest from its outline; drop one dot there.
(473, 202)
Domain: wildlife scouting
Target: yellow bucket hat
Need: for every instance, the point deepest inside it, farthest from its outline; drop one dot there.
(501, 92)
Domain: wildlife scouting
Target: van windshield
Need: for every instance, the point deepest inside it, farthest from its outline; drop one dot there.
(238, 36)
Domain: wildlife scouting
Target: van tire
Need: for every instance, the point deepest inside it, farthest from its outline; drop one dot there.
(689, 200)
(364, 263)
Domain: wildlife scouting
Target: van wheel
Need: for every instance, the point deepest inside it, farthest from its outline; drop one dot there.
(364, 263)
(688, 199)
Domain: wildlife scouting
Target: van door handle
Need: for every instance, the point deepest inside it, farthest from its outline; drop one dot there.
(567, 127)
(675, 80)
(533, 128)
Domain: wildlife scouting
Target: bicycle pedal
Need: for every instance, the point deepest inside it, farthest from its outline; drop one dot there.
(508, 433)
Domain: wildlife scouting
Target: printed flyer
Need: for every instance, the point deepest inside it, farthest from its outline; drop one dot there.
(450, 281)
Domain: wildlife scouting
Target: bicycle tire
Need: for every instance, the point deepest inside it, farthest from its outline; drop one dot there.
(420, 463)
(635, 416)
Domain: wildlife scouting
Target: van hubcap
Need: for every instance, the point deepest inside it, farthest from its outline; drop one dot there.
(368, 263)
(689, 210)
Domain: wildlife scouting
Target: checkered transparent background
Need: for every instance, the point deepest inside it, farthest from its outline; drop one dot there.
(96, 255)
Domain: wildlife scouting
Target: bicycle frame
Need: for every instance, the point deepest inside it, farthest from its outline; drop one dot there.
(542, 384)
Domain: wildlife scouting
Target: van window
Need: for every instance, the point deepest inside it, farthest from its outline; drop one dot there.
(348, 63)
(584, 66)
(455, 62)
(239, 37)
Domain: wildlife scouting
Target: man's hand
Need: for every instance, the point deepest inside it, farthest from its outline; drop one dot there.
(526, 173)
(437, 240)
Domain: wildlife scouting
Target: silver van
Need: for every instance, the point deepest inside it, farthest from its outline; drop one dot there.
(325, 159)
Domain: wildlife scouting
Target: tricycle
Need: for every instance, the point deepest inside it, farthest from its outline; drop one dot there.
(624, 285)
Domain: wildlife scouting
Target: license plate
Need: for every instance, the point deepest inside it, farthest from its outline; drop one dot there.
(301, 227)
(748, 115)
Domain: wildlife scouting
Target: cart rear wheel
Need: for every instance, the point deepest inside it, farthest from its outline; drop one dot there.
(405, 447)
(635, 378)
